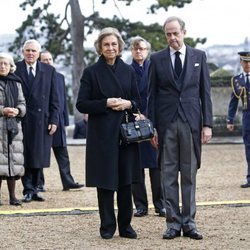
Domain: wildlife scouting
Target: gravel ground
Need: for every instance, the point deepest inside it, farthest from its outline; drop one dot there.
(70, 220)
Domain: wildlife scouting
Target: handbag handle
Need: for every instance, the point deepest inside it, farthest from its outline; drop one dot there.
(126, 114)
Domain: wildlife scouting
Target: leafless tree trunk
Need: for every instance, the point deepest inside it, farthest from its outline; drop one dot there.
(77, 36)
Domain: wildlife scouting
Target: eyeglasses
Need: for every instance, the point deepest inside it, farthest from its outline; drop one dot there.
(5, 64)
(140, 49)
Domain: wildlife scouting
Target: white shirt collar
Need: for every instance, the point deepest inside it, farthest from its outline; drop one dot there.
(182, 50)
(33, 67)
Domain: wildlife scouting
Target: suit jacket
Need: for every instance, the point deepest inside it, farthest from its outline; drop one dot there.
(190, 93)
(42, 109)
(108, 165)
(59, 137)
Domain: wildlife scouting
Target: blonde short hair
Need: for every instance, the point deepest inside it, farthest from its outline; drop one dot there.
(10, 59)
(107, 32)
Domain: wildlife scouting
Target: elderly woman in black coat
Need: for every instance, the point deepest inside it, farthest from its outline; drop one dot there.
(108, 88)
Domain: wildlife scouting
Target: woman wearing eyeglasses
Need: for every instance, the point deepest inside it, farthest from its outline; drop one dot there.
(12, 108)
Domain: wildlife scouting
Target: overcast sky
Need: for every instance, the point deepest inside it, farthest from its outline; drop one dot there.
(221, 21)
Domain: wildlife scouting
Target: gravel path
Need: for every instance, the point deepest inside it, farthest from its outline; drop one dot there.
(69, 220)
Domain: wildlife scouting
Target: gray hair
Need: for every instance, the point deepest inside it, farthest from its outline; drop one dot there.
(107, 32)
(38, 45)
(10, 59)
(135, 41)
(174, 18)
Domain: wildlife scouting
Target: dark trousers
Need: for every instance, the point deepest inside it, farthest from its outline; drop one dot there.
(62, 158)
(140, 193)
(107, 211)
(30, 180)
(246, 139)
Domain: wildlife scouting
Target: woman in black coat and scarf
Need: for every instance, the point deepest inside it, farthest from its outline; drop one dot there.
(108, 88)
(12, 108)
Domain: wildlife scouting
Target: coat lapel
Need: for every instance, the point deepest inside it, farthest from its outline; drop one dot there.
(37, 80)
(167, 68)
(188, 66)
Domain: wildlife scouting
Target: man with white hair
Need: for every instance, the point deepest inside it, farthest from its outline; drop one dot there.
(40, 122)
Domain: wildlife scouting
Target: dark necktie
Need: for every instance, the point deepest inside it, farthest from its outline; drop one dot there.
(177, 63)
(31, 76)
(247, 81)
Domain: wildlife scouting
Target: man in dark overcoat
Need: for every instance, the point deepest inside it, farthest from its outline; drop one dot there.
(59, 144)
(40, 122)
(180, 107)
(140, 49)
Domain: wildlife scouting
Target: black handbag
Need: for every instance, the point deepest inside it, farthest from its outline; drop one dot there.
(136, 131)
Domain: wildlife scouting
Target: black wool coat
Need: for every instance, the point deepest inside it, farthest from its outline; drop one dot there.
(42, 109)
(108, 164)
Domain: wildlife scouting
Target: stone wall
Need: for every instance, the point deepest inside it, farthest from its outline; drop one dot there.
(220, 98)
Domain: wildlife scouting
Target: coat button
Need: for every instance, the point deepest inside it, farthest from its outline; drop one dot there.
(39, 110)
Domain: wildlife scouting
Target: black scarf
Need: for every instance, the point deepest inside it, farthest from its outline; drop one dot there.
(11, 90)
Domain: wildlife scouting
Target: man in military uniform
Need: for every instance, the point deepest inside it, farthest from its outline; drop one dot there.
(241, 90)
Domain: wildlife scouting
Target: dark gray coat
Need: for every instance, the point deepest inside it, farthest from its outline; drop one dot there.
(108, 165)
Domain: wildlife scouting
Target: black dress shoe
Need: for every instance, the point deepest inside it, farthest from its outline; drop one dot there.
(27, 197)
(161, 212)
(171, 234)
(73, 186)
(246, 185)
(40, 189)
(140, 212)
(193, 234)
(15, 202)
(107, 236)
(37, 197)
(128, 233)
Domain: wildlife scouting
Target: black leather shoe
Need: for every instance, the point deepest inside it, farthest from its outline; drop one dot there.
(40, 189)
(107, 236)
(27, 198)
(15, 202)
(246, 185)
(37, 197)
(128, 233)
(171, 234)
(73, 186)
(193, 234)
(161, 212)
(140, 212)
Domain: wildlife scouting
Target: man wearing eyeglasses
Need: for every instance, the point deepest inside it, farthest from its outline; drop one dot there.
(140, 49)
